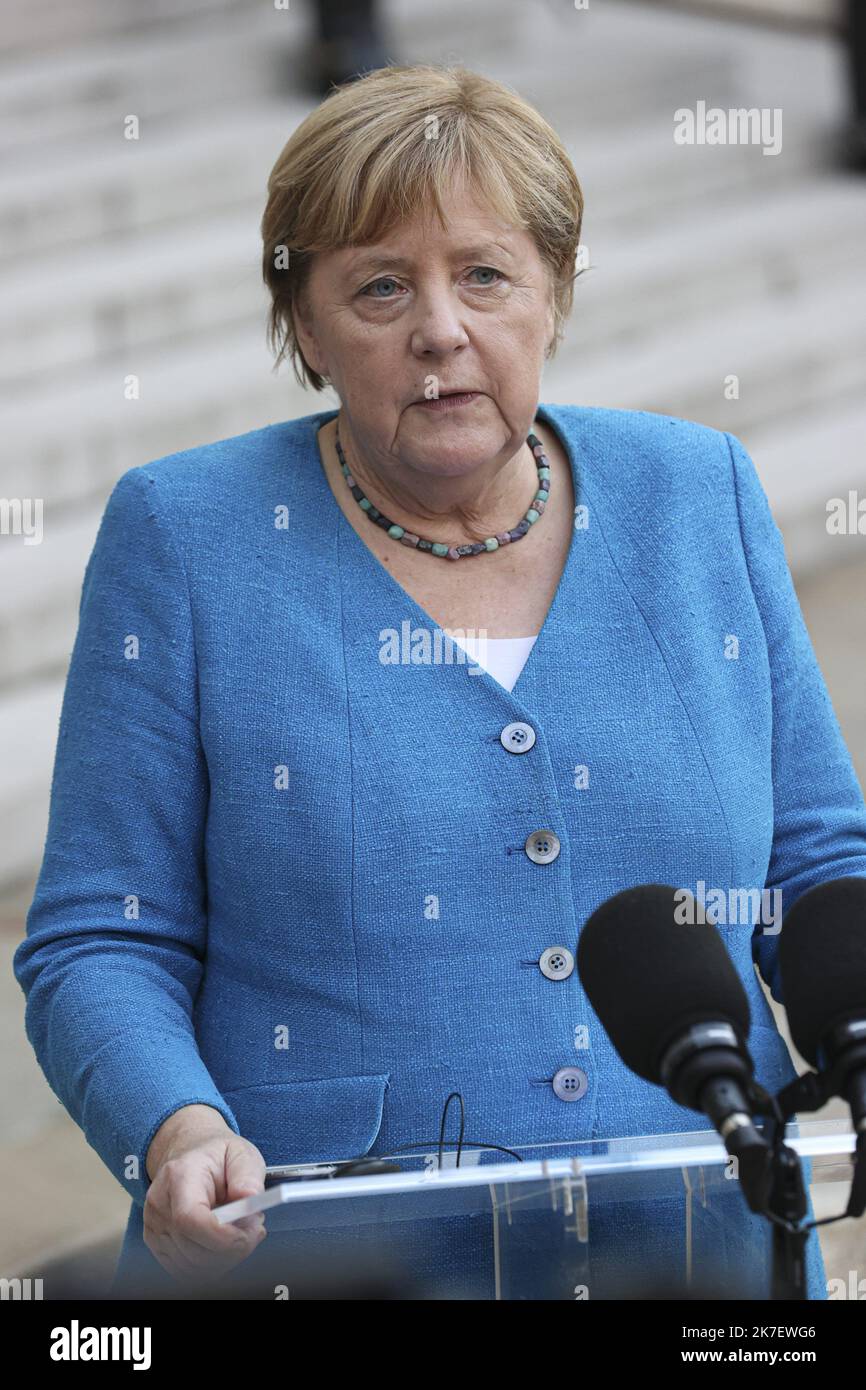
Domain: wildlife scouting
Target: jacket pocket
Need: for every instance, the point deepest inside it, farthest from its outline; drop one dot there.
(311, 1121)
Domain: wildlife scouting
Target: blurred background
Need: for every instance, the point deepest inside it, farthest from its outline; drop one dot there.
(725, 285)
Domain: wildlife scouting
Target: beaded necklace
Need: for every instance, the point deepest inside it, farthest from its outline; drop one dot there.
(441, 548)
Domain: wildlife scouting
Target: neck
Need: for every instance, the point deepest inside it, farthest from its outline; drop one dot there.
(457, 510)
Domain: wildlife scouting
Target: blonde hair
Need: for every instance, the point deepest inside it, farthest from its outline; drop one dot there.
(391, 144)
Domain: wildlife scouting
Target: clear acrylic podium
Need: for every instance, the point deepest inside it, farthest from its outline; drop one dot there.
(660, 1216)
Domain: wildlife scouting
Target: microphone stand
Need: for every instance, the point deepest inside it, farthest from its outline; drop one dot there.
(781, 1195)
(718, 1081)
(787, 1199)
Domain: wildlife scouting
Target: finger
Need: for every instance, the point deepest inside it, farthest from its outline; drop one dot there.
(155, 1223)
(253, 1224)
(158, 1224)
(204, 1267)
(157, 1208)
(192, 1216)
(244, 1171)
(200, 1260)
(173, 1260)
(205, 1257)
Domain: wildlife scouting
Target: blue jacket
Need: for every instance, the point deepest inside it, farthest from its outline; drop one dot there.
(288, 877)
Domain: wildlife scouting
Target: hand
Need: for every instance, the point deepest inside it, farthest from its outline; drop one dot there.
(196, 1162)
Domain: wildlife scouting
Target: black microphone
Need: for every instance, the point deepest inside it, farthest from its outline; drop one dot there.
(675, 1009)
(822, 959)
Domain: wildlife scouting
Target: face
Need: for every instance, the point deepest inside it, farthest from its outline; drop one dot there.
(468, 310)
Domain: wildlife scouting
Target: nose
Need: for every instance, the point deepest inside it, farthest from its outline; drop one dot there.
(438, 327)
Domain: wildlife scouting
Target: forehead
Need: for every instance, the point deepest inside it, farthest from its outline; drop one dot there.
(470, 228)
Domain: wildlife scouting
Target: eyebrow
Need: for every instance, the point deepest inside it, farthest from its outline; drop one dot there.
(378, 260)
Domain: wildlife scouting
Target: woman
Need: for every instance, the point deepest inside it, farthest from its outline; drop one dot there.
(306, 875)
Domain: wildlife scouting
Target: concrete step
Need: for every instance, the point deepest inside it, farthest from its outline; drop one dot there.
(60, 101)
(28, 737)
(40, 587)
(110, 192)
(75, 438)
(813, 456)
(97, 306)
(56, 25)
(802, 349)
(104, 187)
(746, 256)
(629, 179)
(823, 13)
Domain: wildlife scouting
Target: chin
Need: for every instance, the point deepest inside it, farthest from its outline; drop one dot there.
(454, 451)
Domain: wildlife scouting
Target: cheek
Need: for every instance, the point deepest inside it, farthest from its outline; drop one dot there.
(369, 381)
(516, 340)
(367, 346)
(363, 355)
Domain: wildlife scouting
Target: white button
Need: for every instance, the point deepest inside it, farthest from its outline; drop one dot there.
(556, 963)
(542, 846)
(570, 1083)
(517, 737)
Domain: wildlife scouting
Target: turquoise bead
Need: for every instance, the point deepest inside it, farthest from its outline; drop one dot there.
(532, 515)
(439, 548)
(365, 503)
(491, 543)
(544, 472)
(395, 531)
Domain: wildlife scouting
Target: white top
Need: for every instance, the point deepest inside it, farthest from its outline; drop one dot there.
(503, 657)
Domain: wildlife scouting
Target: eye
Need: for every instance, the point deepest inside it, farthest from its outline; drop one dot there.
(486, 270)
(386, 283)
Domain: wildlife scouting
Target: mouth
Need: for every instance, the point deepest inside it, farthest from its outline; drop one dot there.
(449, 400)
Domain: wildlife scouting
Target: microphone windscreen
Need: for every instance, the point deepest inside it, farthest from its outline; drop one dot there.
(650, 976)
(822, 959)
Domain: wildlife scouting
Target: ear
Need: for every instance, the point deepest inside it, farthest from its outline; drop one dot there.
(305, 333)
(550, 335)
(550, 323)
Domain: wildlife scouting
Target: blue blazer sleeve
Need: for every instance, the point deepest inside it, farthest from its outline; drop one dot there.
(116, 931)
(819, 816)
